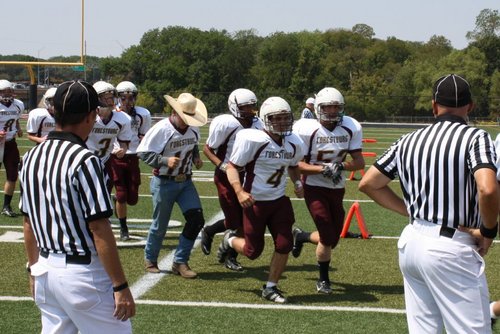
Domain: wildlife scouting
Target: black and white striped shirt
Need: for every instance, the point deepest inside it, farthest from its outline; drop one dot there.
(436, 166)
(63, 187)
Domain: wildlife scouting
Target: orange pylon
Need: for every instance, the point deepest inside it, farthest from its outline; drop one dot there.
(355, 209)
(351, 176)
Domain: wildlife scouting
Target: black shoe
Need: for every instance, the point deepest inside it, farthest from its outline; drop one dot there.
(224, 246)
(7, 211)
(206, 242)
(273, 294)
(124, 236)
(324, 287)
(232, 264)
(297, 245)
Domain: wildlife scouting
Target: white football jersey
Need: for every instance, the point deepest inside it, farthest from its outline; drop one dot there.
(140, 124)
(8, 117)
(266, 162)
(497, 149)
(40, 122)
(163, 138)
(104, 135)
(222, 133)
(324, 146)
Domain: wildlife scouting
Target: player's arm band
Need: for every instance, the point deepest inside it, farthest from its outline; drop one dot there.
(490, 233)
(120, 287)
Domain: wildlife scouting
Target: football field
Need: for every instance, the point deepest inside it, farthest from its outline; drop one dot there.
(367, 284)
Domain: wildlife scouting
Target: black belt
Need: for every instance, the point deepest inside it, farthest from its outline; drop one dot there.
(72, 259)
(176, 178)
(447, 232)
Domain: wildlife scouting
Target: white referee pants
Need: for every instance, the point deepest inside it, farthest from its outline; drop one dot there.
(74, 297)
(444, 282)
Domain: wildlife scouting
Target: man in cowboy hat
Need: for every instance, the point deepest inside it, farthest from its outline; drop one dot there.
(171, 148)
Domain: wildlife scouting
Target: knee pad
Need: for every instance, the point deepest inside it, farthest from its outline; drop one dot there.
(194, 223)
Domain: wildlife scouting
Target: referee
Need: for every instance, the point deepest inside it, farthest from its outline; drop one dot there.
(76, 276)
(448, 177)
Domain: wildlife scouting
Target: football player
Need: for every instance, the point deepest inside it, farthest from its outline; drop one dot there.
(328, 140)
(10, 111)
(126, 172)
(242, 104)
(268, 157)
(41, 120)
(110, 127)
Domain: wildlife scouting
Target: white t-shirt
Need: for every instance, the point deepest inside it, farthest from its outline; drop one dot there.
(266, 162)
(324, 146)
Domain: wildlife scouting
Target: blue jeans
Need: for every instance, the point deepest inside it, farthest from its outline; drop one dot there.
(165, 194)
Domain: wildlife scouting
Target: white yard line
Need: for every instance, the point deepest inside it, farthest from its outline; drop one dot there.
(148, 281)
(246, 306)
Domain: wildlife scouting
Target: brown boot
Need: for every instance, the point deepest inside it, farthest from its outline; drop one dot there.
(183, 270)
(151, 267)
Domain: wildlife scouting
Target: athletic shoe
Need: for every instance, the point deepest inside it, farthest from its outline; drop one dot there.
(124, 236)
(151, 267)
(232, 264)
(183, 269)
(297, 245)
(224, 246)
(273, 294)
(7, 211)
(324, 287)
(206, 242)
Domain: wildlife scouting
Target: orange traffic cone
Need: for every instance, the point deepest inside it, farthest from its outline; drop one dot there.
(355, 209)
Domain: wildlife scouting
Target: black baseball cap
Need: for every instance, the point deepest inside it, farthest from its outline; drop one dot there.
(452, 91)
(75, 97)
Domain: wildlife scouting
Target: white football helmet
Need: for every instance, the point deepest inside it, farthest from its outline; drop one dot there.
(48, 96)
(277, 116)
(239, 98)
(329, 96)
(126, 87)
(6, 92)
(104, 87)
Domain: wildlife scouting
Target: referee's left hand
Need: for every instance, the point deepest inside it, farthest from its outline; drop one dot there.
(483, 244)
(124, 305)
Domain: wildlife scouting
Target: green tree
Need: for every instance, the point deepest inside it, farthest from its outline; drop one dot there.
(487, 25)
(363, 30)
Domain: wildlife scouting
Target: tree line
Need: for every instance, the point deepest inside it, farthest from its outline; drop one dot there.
(380, 79)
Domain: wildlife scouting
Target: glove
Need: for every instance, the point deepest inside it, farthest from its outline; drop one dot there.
(333, 171)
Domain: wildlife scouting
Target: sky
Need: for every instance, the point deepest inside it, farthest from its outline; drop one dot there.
(50, 28)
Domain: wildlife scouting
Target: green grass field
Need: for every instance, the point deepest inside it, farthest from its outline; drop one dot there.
(368, 290)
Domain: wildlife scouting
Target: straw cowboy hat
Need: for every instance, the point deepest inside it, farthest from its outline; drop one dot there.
(192, 111)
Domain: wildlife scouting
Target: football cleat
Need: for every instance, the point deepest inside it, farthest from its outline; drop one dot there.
(324, 287)
(232, 264)
(273, 294)
(297, 245)
(124, 236)
(224, 246)
(206, 242)
(7, 211)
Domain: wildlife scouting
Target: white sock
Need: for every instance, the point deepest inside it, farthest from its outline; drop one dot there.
(492, 314)
(270, 284)
(230, 241)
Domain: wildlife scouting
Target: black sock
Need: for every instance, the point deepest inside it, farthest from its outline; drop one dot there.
(6, 200)
(304, 237)
(324, 267)
(217, 227)
(123, 222)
